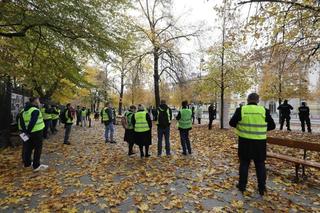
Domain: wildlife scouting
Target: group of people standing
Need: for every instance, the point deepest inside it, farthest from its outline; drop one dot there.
(138, 127)
(83, 116)
(304, 115)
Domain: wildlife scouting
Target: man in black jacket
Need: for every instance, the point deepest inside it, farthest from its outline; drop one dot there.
(212, 114)
(252, 123)
(304, 116)
(284, 113)
(164, 117)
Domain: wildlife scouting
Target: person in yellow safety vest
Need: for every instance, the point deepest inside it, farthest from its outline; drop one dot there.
(31, 123)
(163, 122)
(55, 117)
(46, 113)
(252, 123)
(108, 118)
(184, 118)
(69, 114)
(142, 126)
(83, 114)
(129, 131)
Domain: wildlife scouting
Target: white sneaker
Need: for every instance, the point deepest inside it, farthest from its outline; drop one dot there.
(41, 168)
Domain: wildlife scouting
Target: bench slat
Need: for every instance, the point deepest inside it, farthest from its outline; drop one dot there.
(294, 144)
(294, 160)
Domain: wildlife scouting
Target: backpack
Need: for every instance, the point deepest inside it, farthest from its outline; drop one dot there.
(124, 122)
(62, 116)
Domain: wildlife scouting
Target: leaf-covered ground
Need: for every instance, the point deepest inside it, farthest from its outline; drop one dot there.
(91, 176)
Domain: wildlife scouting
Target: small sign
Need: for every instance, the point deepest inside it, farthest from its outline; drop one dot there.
(24, 137)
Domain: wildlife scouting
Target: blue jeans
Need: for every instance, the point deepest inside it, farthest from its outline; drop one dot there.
(185, 142)
(67, 132)
(166, 133)
(108, 132)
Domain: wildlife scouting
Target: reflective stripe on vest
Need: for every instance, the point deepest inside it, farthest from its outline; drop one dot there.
(185, 121)
(168, 113)
(105, 116)
(46, 116)
(253, 123)
(141, 124)
(129, 119)
(55, 116)
(26, 115)
(83, 113)
(69, 121)
(19, 115)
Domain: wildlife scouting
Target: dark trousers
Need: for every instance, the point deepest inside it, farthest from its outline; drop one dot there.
(199, 120)
(142, 154)
(130, 146)
(210, 123)
(78, 120)
(166, 133)
(54, 125)
(260, 172)
(304, 121)
(67, 132)
(185, 142)
(33, 144)
(287, 119)
(47, 126)
(193, 119)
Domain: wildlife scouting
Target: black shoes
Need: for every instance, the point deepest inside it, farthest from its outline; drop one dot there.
(262, 191)
(241, 189)
(67, 143)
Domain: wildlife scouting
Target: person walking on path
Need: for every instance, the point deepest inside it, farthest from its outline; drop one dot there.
(252, 123)
(46, 113)
(107, 118)
(129, 129)
(142, 124)
(88, 116)
(78, 115)
(199, 113)
(184, 118)
(163, 122)
(55, 117)
(193, 113)
(83, 117)
(284, 113)
(32, 124)
(69, 115)
(212, 114)
(304, 116)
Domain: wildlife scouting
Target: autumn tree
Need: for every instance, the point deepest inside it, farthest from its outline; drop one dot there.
(289, 33)
(161, 30)
(49, 42)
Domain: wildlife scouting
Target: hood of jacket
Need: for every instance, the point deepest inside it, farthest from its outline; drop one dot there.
(164, 107)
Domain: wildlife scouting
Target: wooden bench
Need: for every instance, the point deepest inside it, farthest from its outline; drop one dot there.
(305, 146)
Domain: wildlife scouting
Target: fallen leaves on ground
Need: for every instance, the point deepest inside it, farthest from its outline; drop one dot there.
(91, 176)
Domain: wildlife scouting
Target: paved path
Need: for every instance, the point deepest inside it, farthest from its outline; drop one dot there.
(90, 176)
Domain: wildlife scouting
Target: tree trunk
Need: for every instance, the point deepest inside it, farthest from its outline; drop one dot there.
(5, 112)
(156, 77)
(222, 71)
(121, 94)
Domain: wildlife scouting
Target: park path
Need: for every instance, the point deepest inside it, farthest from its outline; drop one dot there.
(91, 176)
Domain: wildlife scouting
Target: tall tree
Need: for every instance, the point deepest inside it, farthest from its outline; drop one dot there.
(161, 30)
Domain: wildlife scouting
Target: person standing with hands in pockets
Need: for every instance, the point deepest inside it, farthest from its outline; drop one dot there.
(31, 123)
